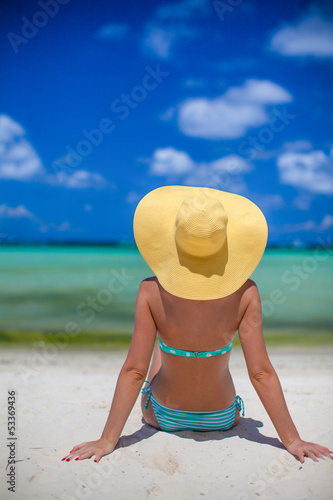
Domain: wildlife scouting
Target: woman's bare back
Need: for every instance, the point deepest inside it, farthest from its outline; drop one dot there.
(195, 384)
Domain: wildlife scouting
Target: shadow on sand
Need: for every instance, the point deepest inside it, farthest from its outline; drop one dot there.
(247, 428)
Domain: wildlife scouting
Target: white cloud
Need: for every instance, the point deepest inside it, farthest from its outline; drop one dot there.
(113, 30)
(168, 114)
(264, 154)
(300, 145)
(223, 173)
(268, 202)
(64, 226)
(231, 115)
(169, 162)
(170, 23)
(19, 160)
(9, 129)
(258, 92)
(303, 200)
(327, 222)
(217, 119)
(21, 212)
(159, 39)
(309, 225)
(312, 171)
(233, 164)
(81, 179)
(133, 197)
(205, 175)
(194, 82)
(308, 37)
(77, 179)
(18, 212)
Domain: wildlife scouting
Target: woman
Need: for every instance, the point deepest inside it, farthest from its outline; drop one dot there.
(203, 245)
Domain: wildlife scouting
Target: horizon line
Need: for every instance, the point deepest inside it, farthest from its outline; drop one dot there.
(131, 242)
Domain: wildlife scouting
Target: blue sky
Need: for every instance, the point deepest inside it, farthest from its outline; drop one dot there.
(101, 102)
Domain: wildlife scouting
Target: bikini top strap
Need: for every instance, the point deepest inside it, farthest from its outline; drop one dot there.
(194, 354)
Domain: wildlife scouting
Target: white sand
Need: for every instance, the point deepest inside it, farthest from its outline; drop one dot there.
(63, 398)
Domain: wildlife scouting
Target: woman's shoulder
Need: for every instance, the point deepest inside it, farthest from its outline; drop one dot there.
(149, 285)
(249, 286)
(152, 281)
(149, 290)
(249, 292)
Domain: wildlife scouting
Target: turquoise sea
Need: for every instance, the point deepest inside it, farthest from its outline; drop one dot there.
(43, 289)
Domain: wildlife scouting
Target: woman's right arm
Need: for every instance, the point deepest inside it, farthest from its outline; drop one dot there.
(129, 383)
(265, 380)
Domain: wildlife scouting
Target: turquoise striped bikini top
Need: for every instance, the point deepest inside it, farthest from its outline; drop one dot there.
(194, 354)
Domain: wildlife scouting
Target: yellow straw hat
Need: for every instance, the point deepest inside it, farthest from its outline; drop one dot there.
(201, 243)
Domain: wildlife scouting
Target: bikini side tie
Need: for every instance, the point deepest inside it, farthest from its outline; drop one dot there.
(144, 390)
(240, 404)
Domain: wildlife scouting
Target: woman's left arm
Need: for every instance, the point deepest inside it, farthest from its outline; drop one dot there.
(129, 383)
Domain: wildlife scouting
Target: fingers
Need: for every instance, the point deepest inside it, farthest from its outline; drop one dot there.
(312, 455)
(311, 450)
(82, 456)
(301, 457)
(317, 451)
(325, 451)
(83, 451)
(321, 451)
(303, 454)
(77, 447)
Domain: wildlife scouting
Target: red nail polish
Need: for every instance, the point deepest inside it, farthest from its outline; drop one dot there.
(95, 460)
(67, 459)
(77, 458)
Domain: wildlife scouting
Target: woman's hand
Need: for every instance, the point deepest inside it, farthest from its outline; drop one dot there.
(98, 448)
(302, 449)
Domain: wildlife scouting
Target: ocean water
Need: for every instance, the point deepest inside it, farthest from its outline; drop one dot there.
(42, 288)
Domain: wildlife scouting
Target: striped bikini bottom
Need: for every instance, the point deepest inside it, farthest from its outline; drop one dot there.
(171, 420)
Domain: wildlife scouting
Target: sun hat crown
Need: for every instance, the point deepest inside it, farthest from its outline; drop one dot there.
(201, 243)
(200, 226)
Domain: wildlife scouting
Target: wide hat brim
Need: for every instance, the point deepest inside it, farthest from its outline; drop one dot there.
(191, 277)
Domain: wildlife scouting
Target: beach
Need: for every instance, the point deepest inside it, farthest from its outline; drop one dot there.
(62, 398)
